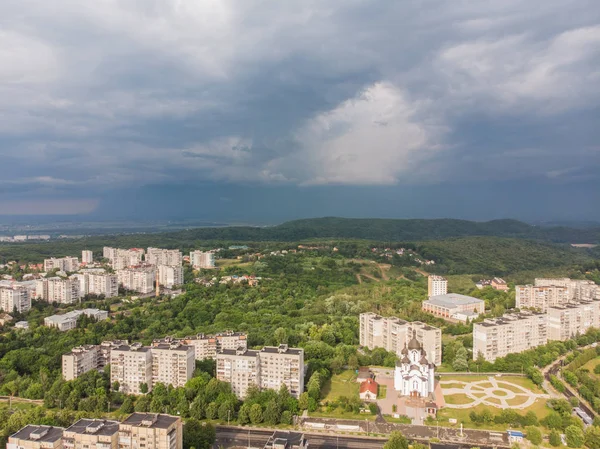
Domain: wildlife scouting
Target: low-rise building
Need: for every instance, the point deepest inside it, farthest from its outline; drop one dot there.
(92, 434)
(368, 390)
(454, 306)
(36, 437)
(68, 320)
(151, 431)
(21, 325)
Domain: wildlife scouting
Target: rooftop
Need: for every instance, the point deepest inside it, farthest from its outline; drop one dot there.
(95, 427)
(155, 420)
(282, 349)
(47, 434)
(240, 352)
(453, 300)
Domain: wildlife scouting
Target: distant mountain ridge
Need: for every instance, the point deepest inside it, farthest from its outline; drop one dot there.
(383, 229)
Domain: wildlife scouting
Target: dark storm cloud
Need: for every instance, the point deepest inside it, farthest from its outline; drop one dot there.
(117, 95)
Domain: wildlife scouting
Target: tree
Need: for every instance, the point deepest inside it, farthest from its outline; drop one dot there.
(143, 388)
(198, 435)
(592, 437)
(256, 415)
(212, 410)
(574, 435)
(244, 414)
(116, 385)
(396, 441)
(127, 406)
(286, 418)
(460, 362)
(534, 435)
(281, 336)
(271, 414)
(303, 401)
(554, 438)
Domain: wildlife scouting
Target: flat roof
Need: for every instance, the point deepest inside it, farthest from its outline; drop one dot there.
(48, 434)
(453, 300)
(95, 427)
(246, 353)
(158, 420)
(276, 350)
(171, 347)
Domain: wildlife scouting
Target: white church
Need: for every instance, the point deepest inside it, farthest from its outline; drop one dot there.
(414, 375)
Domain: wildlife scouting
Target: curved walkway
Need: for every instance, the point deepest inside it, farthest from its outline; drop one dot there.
(480, 392)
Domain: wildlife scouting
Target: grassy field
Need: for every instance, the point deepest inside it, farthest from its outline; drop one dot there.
(343, 384)
(17, 405)
(590, 367)
(521, 381)
(339, 414)
(459, 398)
(460, 378)
(516, 401)
(454, 385)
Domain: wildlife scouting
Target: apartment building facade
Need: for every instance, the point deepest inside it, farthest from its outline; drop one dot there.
(170, 275)
(577, 289)
(168, 257)
(92, 283)
(92, 434)
(63, 264)
(393, 333)
(511, 333)
(436, 285)
(270, 367)
(151, 431)
(82, 359)
(139, 279)
(207, 346)
(572, 319)
(202, 259)
(172, 364)
(87, 257)
(540, 297)
(55, 289)
(15, 297)
(36, 437)
(123, 258)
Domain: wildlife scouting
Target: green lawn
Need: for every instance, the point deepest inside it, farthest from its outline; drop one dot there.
(590, 367)
(460, 398)
(343, 384)
(340, 414)
(381, 391)
(453, 385)
(521, 381)
(516, 401)
(17, 405)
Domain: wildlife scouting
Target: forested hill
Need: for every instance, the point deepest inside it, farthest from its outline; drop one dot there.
(392, 230)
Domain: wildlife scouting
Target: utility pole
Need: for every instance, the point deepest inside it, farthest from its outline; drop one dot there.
(248, 438)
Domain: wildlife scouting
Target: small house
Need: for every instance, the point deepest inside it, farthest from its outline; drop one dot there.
(515, 436)
(368, 390)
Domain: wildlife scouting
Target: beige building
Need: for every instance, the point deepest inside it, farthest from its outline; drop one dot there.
(577, 289)
(454, 306)
(92, 434)
(540, 297)
(393, 333)
(55, 289)
(63, 264)
(509, 334)
(138, 279)
(36, 437)
(172, 364)
(151, 431)
(168, 257)
(87, 257)
(80, 360)
(15, 297)
(202, 259)
(123, 258)
(573, 319)
(169, 276)
(436, 285)
(131, 366)
(268, 368)
(207, 346)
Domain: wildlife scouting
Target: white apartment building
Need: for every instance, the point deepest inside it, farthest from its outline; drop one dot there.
(92, 434)
(151, 431)
(436, 285)
(68, 320)
(139, 279)
(202, 259)
(87, 256)
(577, 289)
(14, 297)
(123, 258)
(511, 333)
(170, 275)
(540, 297)
(131, 366)
(66, 264)
(158, 256)
(82, 359)
(393, 334)
(55, 289)
(573, 319)
(172, 364)
(270, 367)
(92, 283)
(208, 346)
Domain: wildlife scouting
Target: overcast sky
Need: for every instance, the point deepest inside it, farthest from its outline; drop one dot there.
(475, 109)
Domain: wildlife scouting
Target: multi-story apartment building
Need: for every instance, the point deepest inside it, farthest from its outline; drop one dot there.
(170, 275)
(82, 359)
(172, 364)
(573, 319)
(62, 264)
(15, 297)
(36, 437)
(202, 259)
(454, 306)
(55, 289)
(131, 366)
(139, 279)
(92, 434)
(540, 297)
(87, 256)
(123, 258)
(392, 334)
(577, 289)
(207, 346)
(92, 283)
(151, 431)
(436, 285)
(169, 257)
(270, 367)
(68, 320)
(511, 333)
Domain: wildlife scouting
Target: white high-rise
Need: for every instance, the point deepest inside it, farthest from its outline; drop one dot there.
(98, 284)
(123, 258)
(169, 276)
(436, 285)
(87, 256)
(15, 297)
(62, 291)
(169, 257)
(202, 259)
(138, 279)
(62, 264)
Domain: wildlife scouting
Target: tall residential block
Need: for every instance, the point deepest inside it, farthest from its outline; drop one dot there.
(91, 283)
(436, 285)
(202, 259)
(139, 279)
(151, 431)
(172, 364)
(573, 319)
(55, 289)
(207, 346)
(62, 264)
(82, 359)
(15, 297)
(170, 275)
(87, 256)
(92, 434)
(36, 437)
(270, 367)
(540, 297)
(169, 257)
(123, 258)
(577, 289)
(511, 333)
(393, 333)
